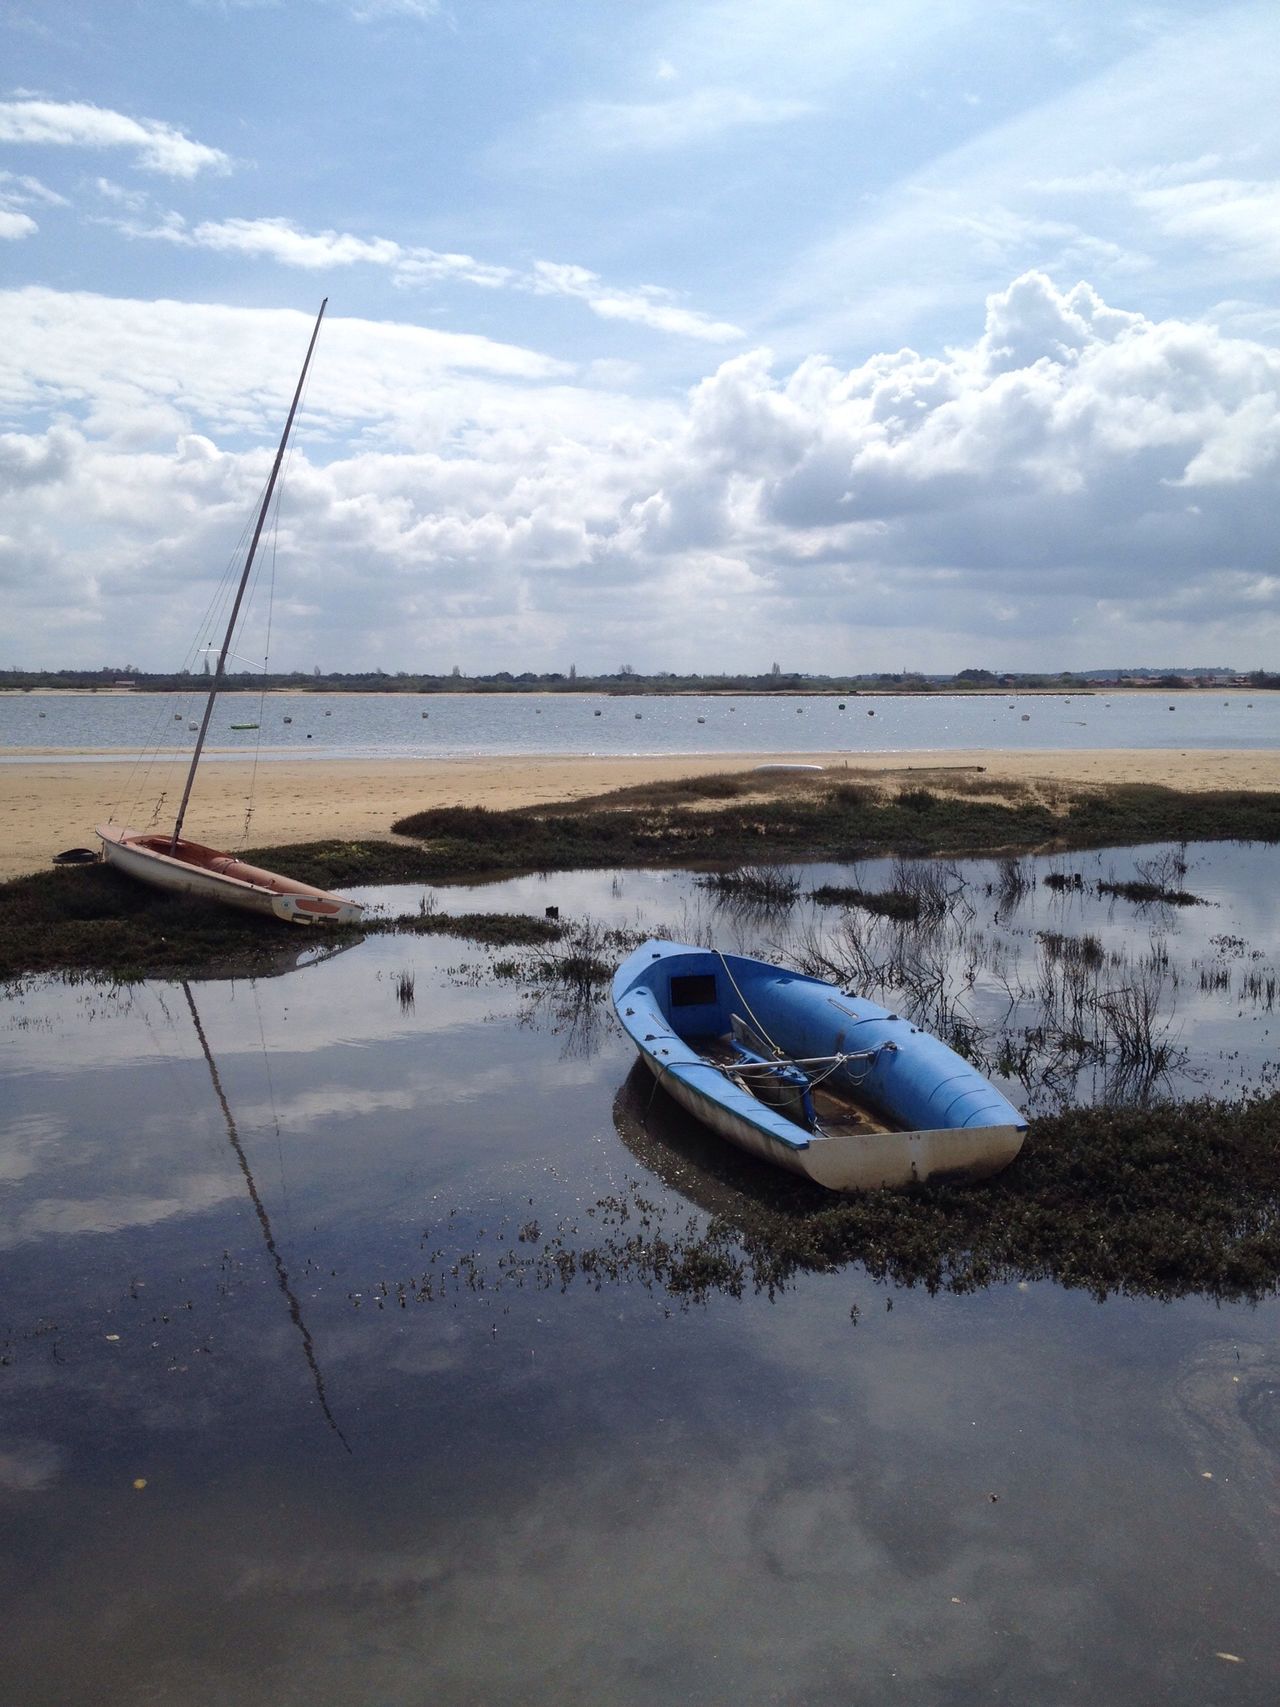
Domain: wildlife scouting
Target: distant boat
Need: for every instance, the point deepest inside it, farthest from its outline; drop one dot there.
(817, 1079)
(168, 861)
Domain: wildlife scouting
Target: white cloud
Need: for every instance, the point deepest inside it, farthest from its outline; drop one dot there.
(368, 11)
(18, 191)
(16, 225)
(282, 241)
(681, 120)
(1060, 186)
(158, 147)
(1045, 492)
(19, 187)
(1228, 214)
(647, 306)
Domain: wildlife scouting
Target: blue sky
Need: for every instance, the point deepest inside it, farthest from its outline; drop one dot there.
(692, 336)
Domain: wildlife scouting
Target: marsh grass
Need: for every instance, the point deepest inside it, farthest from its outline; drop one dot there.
(1146, 894)
(890, 903)
(87, 918)
(567, 983)
(1160, 1202)
(759, 887)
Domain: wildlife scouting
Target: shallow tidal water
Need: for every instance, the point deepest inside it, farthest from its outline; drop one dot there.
(302, 1401)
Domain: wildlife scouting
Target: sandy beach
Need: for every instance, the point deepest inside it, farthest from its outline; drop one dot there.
(46, 806)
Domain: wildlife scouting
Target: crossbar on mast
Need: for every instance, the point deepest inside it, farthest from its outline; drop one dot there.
(244, 581)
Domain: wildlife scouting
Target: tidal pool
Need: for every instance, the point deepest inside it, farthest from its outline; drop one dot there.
(308, 1395)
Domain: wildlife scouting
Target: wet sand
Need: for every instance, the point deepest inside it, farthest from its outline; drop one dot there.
(46, 806)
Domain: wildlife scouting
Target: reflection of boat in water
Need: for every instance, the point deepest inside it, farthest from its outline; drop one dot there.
(264, 1220)
(690, 1159)
(814, 1078)
(167, 861)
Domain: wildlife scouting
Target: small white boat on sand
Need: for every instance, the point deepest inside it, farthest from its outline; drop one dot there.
(207, 872)
(166, 859)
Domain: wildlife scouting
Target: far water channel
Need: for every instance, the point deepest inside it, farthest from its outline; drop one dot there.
(443, 726)
(302, 1399)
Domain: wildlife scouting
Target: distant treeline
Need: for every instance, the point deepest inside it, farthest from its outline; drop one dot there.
(624, 681)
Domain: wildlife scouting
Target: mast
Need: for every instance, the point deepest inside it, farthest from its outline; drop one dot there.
(244, 581)
(260, 1210)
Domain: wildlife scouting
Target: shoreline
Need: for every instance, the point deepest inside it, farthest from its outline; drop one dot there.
(48, 805)
(1090, 690)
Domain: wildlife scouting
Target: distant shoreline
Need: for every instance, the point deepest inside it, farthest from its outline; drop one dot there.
(200, 686)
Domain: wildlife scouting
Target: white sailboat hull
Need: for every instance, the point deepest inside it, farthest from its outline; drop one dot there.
(194, 869)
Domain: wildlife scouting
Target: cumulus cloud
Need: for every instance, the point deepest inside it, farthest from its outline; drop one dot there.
(157, 147)
(1077, 478)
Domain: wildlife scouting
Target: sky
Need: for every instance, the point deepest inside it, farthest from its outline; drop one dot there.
(853, 335)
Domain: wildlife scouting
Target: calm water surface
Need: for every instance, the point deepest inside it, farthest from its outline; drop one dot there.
(285, 1252)
(462, 725)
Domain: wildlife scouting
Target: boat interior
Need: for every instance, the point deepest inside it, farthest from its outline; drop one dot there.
(222, 864)
(800, 1092)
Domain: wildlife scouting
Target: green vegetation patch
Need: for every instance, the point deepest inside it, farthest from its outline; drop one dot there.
(491, 930)
(90, 919)
(1159, 1202)
(891, 903)
(1146, 893)
(798, 817)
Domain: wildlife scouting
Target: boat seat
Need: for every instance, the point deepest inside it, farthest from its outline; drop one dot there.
(777, 1084)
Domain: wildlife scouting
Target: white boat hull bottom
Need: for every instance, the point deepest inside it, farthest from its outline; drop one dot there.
(874, 1161)
(215, 876)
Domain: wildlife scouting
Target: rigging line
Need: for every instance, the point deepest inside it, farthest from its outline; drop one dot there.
(152, 751)
(271, 1093)
(282, 1273)
(271, 599)
(737, 992)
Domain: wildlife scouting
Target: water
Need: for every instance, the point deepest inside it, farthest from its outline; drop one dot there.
(214, 1198)
(462, 725)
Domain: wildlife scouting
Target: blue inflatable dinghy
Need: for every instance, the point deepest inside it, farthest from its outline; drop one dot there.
(815, 1078)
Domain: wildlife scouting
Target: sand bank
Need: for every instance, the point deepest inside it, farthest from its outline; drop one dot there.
(45, 807)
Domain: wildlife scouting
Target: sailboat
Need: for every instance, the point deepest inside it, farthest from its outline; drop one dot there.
(169, 860)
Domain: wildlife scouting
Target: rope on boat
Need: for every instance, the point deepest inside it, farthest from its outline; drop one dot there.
(719, 953)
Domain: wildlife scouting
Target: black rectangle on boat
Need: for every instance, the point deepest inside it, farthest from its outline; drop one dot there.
(695, 990)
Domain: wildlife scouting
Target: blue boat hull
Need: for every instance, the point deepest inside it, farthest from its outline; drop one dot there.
(928, 1113)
